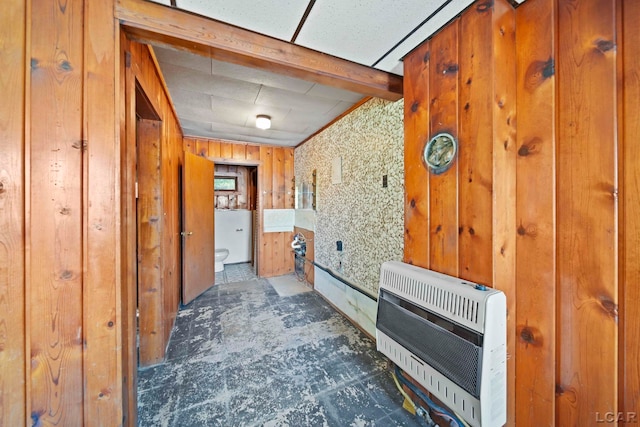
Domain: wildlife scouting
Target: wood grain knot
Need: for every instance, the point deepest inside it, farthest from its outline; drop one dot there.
(414, 106)
(559, 390)
(529, 147)
(79, 145)
(484, 6)
(413, 203)
(469, 80)
(450, 68)
(467, 106)
(537, 72)
(65, 211)
(501, 103)
(2, 189)
(472, 231)
(110, 324)
(460, 230)
(438, 228)
(604, 46)
(34, 64)
(609, 307)
(66, 275)
(529, 336)
(521, 230)
(426, 57)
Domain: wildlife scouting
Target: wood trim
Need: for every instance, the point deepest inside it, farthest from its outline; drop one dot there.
(149, 22)
(630, 206)
(101, 298)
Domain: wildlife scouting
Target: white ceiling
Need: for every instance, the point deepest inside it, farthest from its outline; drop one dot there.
(220, 100)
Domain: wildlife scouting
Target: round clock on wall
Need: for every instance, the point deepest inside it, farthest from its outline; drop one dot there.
(440, 152)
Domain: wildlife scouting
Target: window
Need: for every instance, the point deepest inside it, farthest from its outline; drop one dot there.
(225, 183)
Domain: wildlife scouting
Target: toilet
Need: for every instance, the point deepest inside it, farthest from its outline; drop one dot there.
(221, 255)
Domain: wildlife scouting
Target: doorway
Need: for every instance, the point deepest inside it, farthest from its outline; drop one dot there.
(235, 202)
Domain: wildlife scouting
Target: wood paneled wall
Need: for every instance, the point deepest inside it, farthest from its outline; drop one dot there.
(161, 307)
(275, 191)
(461, 222)
(59, 210)
(544, 215)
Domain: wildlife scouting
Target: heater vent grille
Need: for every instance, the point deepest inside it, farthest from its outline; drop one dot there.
(455, 357)
(432, 294)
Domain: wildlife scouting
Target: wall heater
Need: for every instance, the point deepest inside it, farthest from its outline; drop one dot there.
(449, 335)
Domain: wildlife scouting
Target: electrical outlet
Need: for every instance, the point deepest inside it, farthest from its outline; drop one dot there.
(339, 245)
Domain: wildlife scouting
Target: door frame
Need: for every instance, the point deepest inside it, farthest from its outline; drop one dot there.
(258, 229)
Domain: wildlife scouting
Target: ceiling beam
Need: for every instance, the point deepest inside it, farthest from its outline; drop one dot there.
(149, 22)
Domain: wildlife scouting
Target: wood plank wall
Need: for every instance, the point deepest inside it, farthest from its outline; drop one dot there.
(629, 230)
(561, 192)
(59, 210)
(161, 314)
(275, 175)
(461, 222)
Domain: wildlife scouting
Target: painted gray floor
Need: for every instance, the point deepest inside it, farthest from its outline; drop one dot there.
(242, 355)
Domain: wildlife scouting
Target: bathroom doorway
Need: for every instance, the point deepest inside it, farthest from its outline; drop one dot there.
(235, 202)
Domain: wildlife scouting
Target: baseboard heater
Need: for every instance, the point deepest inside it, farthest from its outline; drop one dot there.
(449, 335)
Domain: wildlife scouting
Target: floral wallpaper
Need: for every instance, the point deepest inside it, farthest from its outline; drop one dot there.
(359, 211)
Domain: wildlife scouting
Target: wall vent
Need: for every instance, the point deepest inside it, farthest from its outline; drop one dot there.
(447, 334)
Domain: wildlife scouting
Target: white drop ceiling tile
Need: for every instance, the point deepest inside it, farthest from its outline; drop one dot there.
(255, 75)
(195, 81)
(194, 114)
(166, 2)
(243, 113)
(278, 97)
(275, 18)
(340, 108)
(189, 98)
(323, 91)
(391, 61)
(195, 125)
(362, 31)
(182, 59)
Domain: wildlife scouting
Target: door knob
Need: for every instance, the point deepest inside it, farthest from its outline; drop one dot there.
(185, 233)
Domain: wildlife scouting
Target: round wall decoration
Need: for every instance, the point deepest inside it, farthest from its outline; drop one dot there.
(440, 152)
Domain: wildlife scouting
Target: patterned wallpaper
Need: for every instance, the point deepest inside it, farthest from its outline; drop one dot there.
(366, 217)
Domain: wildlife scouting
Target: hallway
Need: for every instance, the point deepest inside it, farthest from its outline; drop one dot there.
(269, 352)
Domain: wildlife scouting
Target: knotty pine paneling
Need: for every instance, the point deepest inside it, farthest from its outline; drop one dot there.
(475, 159)
(101, 293)
(55, 246)
(503, 108)
(275, 175)
(416, 132)
(586, 211)
(161, 312)
(443, 115)
(13, 405)
(535, 215)
(554, 194)
(629, 350)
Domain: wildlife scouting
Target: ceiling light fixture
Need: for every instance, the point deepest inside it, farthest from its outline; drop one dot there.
(263, 121)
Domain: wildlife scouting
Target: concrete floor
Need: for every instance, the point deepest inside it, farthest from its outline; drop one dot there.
(243, 354)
